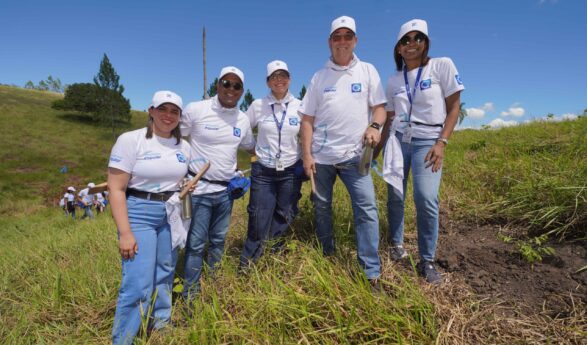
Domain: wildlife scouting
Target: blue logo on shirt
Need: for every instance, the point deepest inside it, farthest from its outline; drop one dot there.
(211, 128)
(330, 89)
(115, 158)
(180, 157)
(356, 87)
(293, 121)
(236, 132)
(458, 79)
(425, 84)
(149, 155)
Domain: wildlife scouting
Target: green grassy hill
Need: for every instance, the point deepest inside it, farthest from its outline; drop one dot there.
(60, 278)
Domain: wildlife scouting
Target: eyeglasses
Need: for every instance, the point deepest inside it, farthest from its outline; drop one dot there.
(227, 84)
(347, 37)
(418, 38)
(279, 75)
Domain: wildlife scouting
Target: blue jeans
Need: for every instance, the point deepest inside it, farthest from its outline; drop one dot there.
(365, 216)
(210, 221)
(272, 201)
(426, 185)
(88, 212)
(149, 275)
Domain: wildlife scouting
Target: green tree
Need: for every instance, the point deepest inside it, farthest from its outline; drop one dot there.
(302, 92)
(212, 90)
(247, 101)
(462, 112)
(107, 76)
(103, 105)
(29, 85)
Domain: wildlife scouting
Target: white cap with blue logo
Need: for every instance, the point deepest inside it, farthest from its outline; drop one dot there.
(413, 25)
(231, 69)
(343, 22)
(161, 97)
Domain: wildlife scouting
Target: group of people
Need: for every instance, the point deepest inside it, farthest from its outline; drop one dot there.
(84, 200)
(345, 114)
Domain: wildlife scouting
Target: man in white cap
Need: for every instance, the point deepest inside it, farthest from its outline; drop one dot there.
(216, 129)
(86, 200)
(343, 111)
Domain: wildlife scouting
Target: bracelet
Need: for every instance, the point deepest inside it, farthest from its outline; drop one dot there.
(375, 125)
(442, 140)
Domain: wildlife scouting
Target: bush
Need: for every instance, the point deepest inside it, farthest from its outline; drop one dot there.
(104, 105)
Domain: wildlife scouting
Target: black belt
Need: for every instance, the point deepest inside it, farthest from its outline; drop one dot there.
(426, 124)
(162, 196)
(222, 183)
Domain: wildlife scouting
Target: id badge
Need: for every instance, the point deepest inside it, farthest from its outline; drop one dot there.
(407, 137)
(279, 165)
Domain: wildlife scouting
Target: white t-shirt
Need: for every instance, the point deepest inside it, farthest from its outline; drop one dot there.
(215, 133)
(69, 197)
(340, 99)
(155, 165)
(86, 196)
(261, 115)
(439, 79)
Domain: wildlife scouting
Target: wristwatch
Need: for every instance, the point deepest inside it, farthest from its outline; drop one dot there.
(375, 125)
(443, 140)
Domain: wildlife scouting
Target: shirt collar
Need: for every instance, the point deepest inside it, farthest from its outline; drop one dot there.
(217, 107)
(288, 97)
(330, 64)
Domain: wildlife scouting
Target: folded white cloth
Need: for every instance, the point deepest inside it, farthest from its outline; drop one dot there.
(179, 226)
(393, 163)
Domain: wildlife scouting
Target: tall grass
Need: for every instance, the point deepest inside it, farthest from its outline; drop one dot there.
(533, 176)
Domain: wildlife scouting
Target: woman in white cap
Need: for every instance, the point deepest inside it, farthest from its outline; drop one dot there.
(69, 199)
(423, 106)
(276, 175)
(145, 168)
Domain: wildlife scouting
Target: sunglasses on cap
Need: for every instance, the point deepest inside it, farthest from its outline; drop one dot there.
(418, 38)
(347, 37)
(227, 84)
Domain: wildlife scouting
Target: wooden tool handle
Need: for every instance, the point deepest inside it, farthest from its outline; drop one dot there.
(99, 188)
(193, 181)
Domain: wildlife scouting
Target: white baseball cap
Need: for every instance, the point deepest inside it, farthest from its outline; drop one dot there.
(91, 185)
(276, 65)
(234, 70)
(161, 97)
(343, 22)
(413, 25)
(70, 189)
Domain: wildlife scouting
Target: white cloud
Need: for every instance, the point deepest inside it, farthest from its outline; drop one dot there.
(475, 113)
(514, 111)
(501, 123)
(479, 113)
(569, 117)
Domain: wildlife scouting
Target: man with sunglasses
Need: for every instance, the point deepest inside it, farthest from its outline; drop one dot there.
(217, 129)
(343, 111)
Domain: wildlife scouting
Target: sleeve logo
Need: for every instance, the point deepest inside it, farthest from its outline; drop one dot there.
(236, 132)
(180, 157)
(356, 87)
(458, 79)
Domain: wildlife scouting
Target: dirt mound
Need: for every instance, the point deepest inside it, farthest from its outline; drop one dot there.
(495, 269)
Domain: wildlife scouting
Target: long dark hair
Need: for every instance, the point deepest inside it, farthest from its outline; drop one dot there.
(399, 61)
(176, 132)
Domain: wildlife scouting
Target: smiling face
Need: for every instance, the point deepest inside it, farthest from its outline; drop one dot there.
(342, 44)
(230, 90)
(278, 82)
(165, 119)
(412, 47)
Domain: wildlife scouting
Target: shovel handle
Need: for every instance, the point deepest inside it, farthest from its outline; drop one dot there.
(193, 181)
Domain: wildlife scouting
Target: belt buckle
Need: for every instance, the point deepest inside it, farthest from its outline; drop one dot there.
(149, 196)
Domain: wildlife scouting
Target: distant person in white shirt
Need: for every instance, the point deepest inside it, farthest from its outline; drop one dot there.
(145, 169)
(216, 129)
(275, 176)
(69, 199)
(86, 201)
(343, 111)
(423, 107)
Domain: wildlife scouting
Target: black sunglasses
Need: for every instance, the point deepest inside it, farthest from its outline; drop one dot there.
(227, 84)
(418, 38)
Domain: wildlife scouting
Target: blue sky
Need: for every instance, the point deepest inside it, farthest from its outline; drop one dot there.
(519, 59)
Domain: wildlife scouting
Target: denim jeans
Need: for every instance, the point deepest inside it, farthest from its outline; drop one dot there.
(149, 275)
(365, 215)
(271, 209)
(426, 185)
(210, 221)
(88, 212)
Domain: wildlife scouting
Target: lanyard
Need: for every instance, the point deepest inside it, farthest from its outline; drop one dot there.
(411, 96)
(279, 127)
